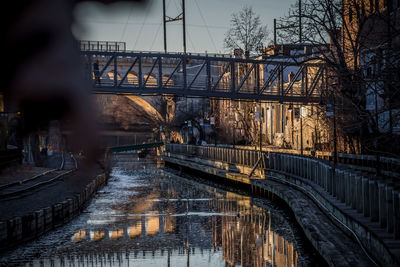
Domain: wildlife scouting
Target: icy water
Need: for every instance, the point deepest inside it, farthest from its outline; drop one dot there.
(149, 216)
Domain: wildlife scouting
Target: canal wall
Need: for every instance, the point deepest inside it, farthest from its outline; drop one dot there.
(27, 227)
(364, 208)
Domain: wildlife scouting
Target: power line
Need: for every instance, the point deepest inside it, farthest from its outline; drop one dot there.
(141, 27)
(155, 36)
(191, 43)
(126, 24)
(204, 21)
(151, 23)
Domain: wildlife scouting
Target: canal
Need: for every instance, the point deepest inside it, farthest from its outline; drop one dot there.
(147, 215)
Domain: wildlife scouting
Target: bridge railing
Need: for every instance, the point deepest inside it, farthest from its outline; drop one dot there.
(373, 197)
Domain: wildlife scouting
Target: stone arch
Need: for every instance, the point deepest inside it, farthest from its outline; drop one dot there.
(146, 106)
(164, 80)
(152, 79)
(132, 78)
(111, 75)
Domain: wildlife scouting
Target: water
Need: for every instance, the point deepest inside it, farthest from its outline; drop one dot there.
(148, 216)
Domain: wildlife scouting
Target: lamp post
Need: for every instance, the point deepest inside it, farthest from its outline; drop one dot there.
(330, 112)
(301, 130)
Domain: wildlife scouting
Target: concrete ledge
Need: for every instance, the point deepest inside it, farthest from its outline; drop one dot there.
(366, 231)
(334, 245)
(21, 229)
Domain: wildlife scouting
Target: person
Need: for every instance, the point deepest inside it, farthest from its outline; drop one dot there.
(96, 72)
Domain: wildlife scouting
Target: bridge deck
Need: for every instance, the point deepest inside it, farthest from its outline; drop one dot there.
(283, 79)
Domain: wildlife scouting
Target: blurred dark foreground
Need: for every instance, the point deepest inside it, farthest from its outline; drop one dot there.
(45, 103)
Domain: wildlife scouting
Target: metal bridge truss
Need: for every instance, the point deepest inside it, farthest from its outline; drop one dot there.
(205, 76)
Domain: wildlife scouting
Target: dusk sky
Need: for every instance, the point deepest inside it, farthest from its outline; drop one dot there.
(140, 26)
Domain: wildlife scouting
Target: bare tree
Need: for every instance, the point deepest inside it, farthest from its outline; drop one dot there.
(358, 40)
(246, 32)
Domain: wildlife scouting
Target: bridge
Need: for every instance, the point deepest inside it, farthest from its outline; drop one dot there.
(212, 76)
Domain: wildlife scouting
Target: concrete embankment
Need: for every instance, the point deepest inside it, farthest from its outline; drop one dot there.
(342, 237)
(24, 218)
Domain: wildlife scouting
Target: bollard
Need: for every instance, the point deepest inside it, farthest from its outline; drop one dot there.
(28, 226)
(14, 230)
(314, 170)
(57, 215)
(373, 196)
(39, 222)
(358, 192)
(297, 166)
(382, 204)
(396, 214)
(334, 182)
(389, 208)
(337, 184)
(365, 196)
(48, 219)
(327, 178)
(346, 177)
(307, 174)
(330, 180)
(353, 191)
(3, 234)
(318, 176)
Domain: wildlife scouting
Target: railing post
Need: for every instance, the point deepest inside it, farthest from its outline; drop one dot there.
(396, 214)
(389, 208)
(382, 205)
(373, 195)
(365, 196)
(358, 193)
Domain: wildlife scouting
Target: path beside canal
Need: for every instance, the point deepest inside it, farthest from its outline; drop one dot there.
(27, 215)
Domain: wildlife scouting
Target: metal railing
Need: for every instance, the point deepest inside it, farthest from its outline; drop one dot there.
(103, 46)
(371, 196)
(217, 76)
(244, 157)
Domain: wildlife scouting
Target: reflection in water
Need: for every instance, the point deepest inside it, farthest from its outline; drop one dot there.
(152, 218)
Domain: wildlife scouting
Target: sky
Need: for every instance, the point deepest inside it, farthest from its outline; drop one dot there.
(140, 26)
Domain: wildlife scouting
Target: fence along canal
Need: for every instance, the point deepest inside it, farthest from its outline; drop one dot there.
(371, 204)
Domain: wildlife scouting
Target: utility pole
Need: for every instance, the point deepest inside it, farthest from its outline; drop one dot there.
(167, 19)
(300, 33)
(335, 156)
(184, 27)
(165, 28)
(299, 25)
(301, 131)
(274, 31)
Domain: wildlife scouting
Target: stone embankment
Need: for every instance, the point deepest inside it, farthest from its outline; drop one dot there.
(349, 217)
(32, 214)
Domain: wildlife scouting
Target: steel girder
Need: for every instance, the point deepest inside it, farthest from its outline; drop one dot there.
(141, 73)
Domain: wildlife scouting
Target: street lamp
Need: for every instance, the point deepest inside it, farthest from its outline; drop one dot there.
(330, 112)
